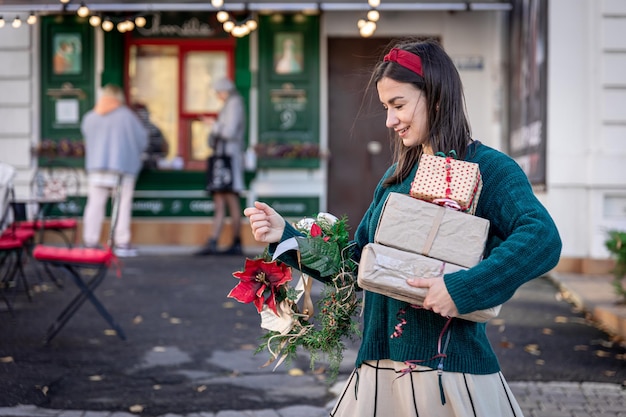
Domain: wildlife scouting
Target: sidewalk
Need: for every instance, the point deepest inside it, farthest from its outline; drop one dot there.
(592, 294)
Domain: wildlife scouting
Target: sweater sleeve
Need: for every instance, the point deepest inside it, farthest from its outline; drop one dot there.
(523, 239)
(230, 118)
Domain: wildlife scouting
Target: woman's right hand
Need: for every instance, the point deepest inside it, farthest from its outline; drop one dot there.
(267, 225)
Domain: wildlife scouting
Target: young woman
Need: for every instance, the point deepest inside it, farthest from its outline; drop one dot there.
(440, 366)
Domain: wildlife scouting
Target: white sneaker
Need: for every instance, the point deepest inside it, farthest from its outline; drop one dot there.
(125, 251)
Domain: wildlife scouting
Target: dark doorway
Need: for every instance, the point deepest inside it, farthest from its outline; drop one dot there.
(359, 145)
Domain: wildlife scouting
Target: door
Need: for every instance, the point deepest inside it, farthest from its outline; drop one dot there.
(359, 142)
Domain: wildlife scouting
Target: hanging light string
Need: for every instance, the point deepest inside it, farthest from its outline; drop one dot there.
(367, 27)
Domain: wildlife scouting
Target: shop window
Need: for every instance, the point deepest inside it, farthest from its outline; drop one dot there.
(174, 80)
(153, 81)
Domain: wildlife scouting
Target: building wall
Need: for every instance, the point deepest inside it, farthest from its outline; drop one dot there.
(18, 99)
(587, 123)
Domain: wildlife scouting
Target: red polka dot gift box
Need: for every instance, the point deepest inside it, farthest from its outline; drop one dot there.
(446, 181)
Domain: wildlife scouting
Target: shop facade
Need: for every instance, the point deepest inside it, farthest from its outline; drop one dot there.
(316, 139)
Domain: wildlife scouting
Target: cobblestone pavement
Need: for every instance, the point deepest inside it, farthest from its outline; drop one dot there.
(537, 399)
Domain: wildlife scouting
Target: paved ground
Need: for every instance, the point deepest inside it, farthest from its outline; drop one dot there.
(189, 349)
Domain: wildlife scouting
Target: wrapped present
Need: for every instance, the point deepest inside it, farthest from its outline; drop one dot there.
(385, 270)
(444, 180)
(431, 230)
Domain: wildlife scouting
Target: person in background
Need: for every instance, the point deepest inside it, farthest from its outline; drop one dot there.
(115, 140)
(441, 365)
(230, 127)
(157, 145)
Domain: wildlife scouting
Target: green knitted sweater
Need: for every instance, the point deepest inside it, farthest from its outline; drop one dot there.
(523, 244)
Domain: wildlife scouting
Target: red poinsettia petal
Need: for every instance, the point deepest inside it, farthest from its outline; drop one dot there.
(258, 302)
(271, 303)
(244, 292)
(316, 230)
(279, 274)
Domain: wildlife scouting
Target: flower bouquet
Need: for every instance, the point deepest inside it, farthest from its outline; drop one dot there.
(267, 283)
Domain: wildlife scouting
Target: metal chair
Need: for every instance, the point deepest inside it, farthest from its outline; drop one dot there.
(54, 185)
(13, 242)
(87, 267)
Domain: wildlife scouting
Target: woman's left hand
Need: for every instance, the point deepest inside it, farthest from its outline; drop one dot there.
(438, 298)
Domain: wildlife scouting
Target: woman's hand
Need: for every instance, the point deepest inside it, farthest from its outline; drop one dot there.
(267, 225)
(438, 298)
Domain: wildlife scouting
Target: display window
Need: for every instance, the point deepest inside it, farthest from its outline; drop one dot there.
(174, 79)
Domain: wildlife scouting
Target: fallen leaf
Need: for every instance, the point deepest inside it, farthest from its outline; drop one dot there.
(247, 346)
(137, 320)
(110, 332)
(6, 359)
(602, 353)
(228, 304)
(540, 362)
(95, 378)
(156, 387)
(175, 320)
(609, 373)
(533, 349)
(621, 356)
(296, 372)
(137, 408)
(158, 349)
(506, 344)
(579, 348)
(560, 319)
(165, 315)
(547, 331)
(201, 388)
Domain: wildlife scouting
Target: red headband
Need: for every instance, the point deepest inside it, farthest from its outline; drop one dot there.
(406, 59)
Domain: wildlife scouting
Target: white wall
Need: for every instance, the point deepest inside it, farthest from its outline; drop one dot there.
(18, 100)
(587, 122)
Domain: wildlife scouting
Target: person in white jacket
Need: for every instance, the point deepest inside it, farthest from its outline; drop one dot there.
(115, 140)
(230, 127)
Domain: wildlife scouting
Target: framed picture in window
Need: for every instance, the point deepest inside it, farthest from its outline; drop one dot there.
(67, 58)
(288, 53)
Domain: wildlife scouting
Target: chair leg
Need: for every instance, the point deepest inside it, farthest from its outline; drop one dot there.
(86, 293)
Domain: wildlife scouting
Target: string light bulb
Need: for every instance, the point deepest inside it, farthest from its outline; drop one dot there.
(16, 22)
(217, 3)
(95, 20)
(64, 1)
(32, 18)
(83, 11)
(2, 22)
(373, 15)
(373, 3)
(140, 21)
(228, 26)
(222, 16)
(107, 25)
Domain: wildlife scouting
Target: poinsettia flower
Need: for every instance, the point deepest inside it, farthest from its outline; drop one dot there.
(258, 278)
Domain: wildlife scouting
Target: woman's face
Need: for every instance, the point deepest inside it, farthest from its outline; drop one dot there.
(406, 110)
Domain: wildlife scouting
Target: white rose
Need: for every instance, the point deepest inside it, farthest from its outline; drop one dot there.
(327, 218)
(304, 225)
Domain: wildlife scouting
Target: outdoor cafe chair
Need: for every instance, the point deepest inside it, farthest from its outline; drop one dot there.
(53, 185)
(87, 268)
(13, 242)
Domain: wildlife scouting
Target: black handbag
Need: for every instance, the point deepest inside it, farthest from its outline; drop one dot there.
(219, 174)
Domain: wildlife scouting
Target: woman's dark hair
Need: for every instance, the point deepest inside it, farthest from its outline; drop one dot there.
(449, 127)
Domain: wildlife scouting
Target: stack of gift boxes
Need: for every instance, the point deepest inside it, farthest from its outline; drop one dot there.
(429, 233)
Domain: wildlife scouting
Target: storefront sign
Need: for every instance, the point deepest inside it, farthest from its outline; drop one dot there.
(192, 27)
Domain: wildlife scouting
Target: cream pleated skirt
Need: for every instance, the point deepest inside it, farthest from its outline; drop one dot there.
(382, 389)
